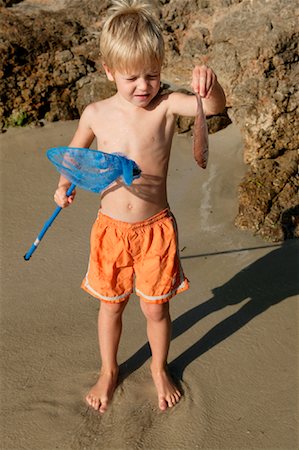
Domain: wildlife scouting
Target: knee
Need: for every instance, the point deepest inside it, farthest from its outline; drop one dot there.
(112, 310)
(155, 312)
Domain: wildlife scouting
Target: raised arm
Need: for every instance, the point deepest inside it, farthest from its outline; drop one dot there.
(204, 82)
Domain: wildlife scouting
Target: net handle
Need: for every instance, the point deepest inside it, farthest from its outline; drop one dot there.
(46, 226)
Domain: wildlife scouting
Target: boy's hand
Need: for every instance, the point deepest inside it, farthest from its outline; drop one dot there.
(60, 196)
(203, 80)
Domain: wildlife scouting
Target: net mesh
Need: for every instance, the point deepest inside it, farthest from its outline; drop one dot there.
(93, 170)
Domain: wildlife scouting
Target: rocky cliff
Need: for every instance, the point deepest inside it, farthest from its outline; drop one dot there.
(50, 69)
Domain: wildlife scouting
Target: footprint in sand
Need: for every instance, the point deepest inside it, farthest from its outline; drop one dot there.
(134, 421)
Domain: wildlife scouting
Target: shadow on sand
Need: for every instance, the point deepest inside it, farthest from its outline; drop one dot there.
(266, 282)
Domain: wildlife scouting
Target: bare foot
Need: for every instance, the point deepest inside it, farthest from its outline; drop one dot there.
(101, 393)
(168, 393)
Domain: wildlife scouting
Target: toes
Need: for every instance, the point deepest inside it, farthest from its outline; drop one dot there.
(103, 407)
(97, 403)
(94, 402)
(177, 395)
(163, 404)
(88, 399)
(169, 401)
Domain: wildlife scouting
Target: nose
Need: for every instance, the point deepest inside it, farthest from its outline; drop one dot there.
(142, 84)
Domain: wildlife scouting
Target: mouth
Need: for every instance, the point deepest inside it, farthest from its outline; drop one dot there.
(142, 96)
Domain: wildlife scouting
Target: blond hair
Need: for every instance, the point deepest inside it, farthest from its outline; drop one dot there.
(131, 37)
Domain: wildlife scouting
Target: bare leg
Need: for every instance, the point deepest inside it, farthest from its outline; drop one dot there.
(109, 331)
(159, 332)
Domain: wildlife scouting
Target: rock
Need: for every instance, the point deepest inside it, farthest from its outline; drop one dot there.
(91, 88)
(265, 199)
(8, 3)
(263, 103)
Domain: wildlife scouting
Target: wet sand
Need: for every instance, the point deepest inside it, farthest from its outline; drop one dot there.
(235, 332)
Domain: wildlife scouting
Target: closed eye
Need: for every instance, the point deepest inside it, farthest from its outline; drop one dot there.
(149, 77)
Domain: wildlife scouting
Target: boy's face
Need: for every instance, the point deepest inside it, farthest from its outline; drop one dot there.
(139, 86)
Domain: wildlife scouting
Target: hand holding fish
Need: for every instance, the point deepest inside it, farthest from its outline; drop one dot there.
(203, 80)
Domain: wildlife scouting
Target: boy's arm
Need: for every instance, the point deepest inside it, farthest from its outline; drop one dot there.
(204, 82)
(83, 137)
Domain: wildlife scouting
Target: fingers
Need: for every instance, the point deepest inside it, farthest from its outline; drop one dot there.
(203, 80)
(61, 198)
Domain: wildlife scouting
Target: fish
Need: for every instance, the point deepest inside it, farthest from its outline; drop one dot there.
(200, 136)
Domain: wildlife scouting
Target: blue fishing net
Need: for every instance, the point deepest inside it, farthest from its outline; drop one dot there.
(93, 170)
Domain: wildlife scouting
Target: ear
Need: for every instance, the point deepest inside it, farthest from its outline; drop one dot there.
(109, 72)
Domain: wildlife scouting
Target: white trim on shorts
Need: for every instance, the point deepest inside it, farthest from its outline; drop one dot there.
(154, 298)
(101, 296)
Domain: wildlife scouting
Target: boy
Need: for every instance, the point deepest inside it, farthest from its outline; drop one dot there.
(135, 232)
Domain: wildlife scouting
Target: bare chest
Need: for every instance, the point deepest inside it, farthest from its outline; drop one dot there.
(134, 135)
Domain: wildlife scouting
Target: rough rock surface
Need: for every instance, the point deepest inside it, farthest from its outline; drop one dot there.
(50, 69)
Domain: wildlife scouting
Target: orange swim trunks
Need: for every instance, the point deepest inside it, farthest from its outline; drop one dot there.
(145, 252)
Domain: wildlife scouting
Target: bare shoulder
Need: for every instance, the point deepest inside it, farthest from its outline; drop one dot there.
(95, 112)
(97, 107)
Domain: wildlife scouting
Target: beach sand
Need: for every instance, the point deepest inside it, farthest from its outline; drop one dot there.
(235, 332)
